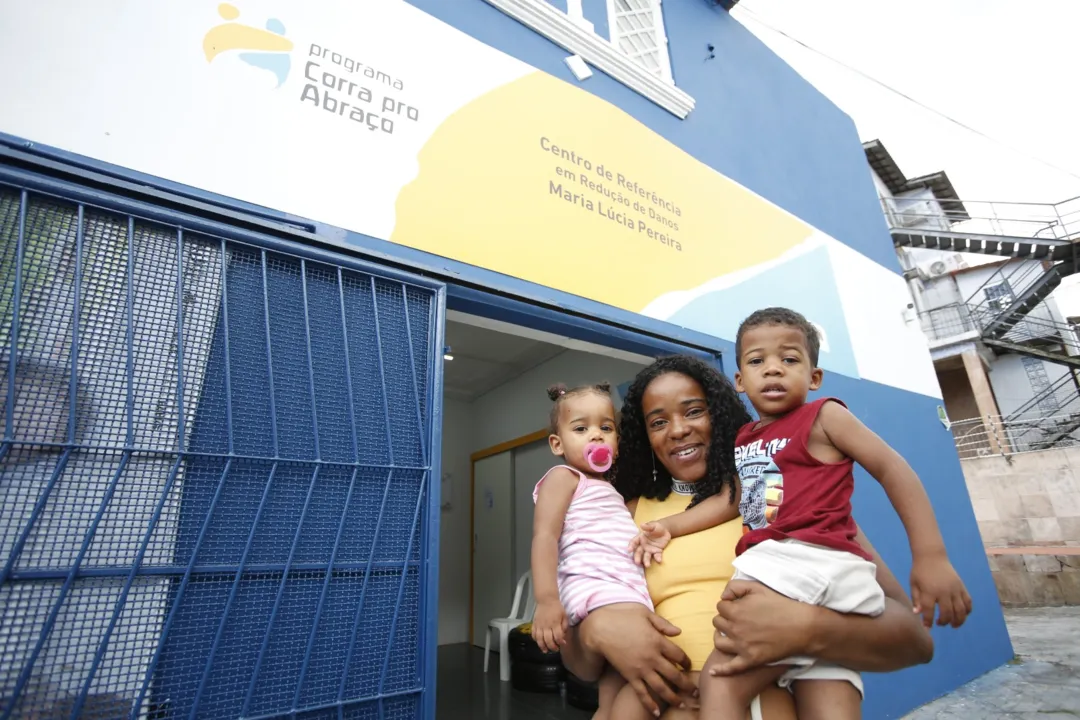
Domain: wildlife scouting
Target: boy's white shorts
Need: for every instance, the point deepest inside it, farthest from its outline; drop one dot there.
(816, 575)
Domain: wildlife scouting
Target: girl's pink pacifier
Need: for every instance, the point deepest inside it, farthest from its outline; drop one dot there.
(599, 457)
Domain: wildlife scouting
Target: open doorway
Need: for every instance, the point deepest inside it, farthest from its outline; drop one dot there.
(495, 449)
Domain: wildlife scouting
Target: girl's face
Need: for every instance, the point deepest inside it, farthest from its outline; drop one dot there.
(584, 418)
(677, 421)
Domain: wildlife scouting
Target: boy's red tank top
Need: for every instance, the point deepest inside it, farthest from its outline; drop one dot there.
(787, 494)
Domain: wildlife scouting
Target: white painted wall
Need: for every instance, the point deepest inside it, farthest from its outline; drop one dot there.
(521, 407)
(1012, 387)
(454, 534)
(531, 462)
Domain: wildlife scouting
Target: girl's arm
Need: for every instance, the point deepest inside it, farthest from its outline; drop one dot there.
(552, 501)
(760, 626)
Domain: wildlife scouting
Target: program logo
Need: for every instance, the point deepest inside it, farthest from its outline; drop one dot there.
(267, 49)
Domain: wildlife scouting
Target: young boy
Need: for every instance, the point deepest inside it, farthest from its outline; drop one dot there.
(795, 466)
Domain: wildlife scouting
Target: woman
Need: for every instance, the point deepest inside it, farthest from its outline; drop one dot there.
(676, 446)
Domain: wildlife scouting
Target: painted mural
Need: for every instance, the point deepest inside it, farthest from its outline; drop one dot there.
(380, 119)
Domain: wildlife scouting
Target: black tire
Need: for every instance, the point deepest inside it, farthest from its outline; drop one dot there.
(536, 678)
(580, 694)
(524, 649)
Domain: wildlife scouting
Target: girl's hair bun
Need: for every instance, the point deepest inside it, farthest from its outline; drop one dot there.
(556, 391)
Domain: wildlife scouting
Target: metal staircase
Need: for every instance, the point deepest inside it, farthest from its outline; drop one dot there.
(1048, 418)
(1009, 309)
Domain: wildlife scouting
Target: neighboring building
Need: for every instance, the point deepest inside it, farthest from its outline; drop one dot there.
(1004, 354)
(230, 236)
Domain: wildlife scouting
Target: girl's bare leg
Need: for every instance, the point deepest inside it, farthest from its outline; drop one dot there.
(585, 665)
(628, 707)
(610, 684)
(577, 658)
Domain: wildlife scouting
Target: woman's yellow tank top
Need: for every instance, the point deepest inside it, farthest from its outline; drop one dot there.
(696, 568)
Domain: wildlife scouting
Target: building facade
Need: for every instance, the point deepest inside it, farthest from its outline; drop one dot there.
(230, 236)
(1004, 353)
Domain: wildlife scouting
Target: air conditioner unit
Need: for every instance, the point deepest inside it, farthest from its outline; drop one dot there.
(944, 266)
(909, 219)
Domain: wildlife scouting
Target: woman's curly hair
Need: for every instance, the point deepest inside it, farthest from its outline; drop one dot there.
(633, 474)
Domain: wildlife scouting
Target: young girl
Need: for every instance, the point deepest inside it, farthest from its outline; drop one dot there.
(584, 538)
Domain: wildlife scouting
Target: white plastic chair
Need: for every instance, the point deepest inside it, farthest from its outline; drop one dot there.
(506, 624)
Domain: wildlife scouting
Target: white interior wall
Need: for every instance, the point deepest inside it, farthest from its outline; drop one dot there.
(531, 462)
(521, 407)
(517, 408)
(454, 546)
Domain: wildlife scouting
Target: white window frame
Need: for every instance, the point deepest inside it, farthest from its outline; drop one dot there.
(658, 28)
(578, 38)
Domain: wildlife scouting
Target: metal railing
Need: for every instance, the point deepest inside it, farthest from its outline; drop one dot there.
(1050, 221)
(951, 321)
(948, 321)
(997, 435)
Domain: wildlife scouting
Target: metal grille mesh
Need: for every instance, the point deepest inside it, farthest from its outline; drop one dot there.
(213, 475)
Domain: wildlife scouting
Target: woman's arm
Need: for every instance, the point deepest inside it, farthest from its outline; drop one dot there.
(635, 642)
(759, 626)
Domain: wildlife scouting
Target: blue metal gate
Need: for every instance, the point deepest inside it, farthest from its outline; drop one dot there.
(215, 471)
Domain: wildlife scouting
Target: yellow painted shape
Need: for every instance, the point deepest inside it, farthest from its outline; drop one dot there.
(234, 36)
(228, 12)
(483, 196)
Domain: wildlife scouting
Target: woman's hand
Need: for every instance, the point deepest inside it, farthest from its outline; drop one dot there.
(635, 643)
(757, 626)
(549, 626)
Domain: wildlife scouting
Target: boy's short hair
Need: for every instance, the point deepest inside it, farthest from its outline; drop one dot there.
(780, 316)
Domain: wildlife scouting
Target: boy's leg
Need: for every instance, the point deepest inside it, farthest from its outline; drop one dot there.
(727, 698)
(608, 687)
(827, 700)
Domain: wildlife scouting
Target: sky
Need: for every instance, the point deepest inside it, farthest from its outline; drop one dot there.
(1005, 68)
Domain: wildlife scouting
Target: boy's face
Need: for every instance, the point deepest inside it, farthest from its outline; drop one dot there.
(775, 370)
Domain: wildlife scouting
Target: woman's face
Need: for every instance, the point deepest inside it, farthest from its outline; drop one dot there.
(677, 420)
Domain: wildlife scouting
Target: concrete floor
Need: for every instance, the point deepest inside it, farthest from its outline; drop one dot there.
(1042, 684)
